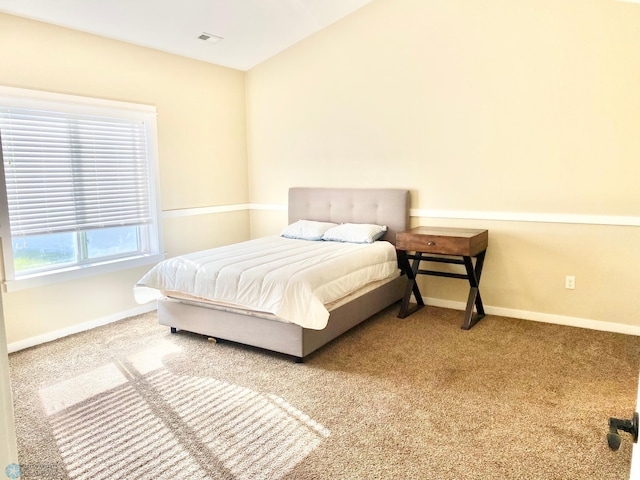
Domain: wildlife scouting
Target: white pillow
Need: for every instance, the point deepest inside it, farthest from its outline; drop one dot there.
(307, 230)
(355, 233)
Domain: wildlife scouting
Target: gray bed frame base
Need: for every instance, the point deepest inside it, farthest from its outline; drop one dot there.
(281, 337)
(381, 206)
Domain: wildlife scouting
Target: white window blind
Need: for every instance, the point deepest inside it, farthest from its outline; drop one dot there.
(71, 172)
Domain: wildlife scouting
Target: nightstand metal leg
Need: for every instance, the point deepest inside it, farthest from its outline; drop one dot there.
(473, 274)
(412, 286)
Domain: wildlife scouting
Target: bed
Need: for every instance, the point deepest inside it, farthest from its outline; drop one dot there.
(278, 330)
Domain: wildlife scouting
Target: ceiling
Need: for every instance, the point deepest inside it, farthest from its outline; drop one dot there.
(251, 30)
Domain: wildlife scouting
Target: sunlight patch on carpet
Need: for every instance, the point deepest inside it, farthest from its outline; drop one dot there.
(134, 419)
(75, 390)
(150, 359)
(253, 435)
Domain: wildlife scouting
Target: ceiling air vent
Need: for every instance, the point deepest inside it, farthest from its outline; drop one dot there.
(209, 37)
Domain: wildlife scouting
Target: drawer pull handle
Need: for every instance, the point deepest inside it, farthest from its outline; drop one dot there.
(431, 244)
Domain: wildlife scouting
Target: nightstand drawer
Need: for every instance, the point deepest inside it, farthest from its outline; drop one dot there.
(443, 241)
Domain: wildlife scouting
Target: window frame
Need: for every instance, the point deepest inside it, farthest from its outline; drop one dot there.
(17, 97)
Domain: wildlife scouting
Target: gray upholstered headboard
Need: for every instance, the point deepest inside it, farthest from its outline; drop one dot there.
(381, 206)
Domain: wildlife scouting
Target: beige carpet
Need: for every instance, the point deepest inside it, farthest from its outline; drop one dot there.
(417, 398)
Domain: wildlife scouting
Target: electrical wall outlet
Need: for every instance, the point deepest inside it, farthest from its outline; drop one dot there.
(570, 282)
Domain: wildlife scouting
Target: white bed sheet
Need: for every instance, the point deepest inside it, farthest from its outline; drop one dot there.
(291, 279)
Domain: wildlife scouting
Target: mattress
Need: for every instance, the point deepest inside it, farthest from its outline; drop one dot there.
(293, 280)
(201, 302)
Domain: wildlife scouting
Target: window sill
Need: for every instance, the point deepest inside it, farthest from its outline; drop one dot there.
(50, 278)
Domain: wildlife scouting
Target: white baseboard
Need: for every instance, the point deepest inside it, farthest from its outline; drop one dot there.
(81, 327)
(542, 317)
(436, 302)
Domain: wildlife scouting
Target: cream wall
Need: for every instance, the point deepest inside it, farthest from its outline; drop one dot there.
(485, 110)
(506, 108)
(202, 150)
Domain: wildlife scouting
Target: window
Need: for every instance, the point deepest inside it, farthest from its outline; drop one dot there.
(79, 179)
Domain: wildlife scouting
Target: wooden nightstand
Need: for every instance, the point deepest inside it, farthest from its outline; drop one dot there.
(448, 242)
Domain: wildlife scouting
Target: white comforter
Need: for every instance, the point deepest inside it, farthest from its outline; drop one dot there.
(292, 279)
